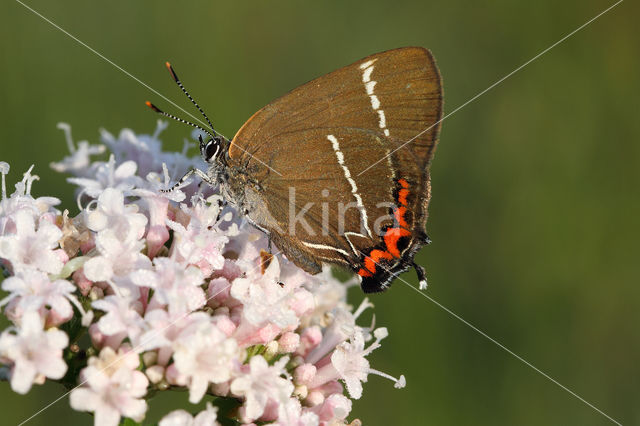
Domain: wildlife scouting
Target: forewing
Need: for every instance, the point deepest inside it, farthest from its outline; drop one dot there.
(396, 94)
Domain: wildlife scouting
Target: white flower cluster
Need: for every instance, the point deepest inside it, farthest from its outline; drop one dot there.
(173, 290)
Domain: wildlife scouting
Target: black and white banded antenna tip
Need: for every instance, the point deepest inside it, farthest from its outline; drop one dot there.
(173, 117)
(179, 83)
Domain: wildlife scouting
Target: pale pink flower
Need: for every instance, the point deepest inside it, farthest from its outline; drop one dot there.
(21, 199)
(108, 175)
(32, 245)
(118, 257)
(162, 329)
(295, 277)
(112, 213)
(288, 342)
(175, 286)
(264, 299)
(304, 374)
(144, 150)
(78, 163)
(246, 246)
(329, 294)
(122, 317)
(248, 335)
(292, 414)
(155, 183)
(157, 208)
(201, 242)
(222, 320)
(204, 355)
(33, 352)
(84, 284)
(260, 384)
(342, 325)
(218, 291)
(207, 417)
(334, 409)
(112, 388)
(32, 290)
(309, 339)
(348, 363)
(174, 377)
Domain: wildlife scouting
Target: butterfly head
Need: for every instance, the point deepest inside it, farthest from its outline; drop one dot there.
(215, 143)
(211, 148)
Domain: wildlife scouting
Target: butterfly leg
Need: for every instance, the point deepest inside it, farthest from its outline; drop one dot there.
(422, 276)
(221, 206)
(202, 175)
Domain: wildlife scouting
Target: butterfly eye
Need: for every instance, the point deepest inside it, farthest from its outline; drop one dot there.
(211, 150)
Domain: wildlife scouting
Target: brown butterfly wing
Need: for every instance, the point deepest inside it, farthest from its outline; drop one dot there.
(407, 86)
(371, 108)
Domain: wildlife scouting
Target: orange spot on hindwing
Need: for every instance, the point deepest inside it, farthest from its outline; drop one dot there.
(402, 196)
(393, 235)
(396, 238)
(399, 215)
(364, 273)
(374, 258)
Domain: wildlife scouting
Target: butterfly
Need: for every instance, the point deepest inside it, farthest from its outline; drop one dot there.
(337, 170)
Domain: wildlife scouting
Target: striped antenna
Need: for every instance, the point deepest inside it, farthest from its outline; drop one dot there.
(177, 80)
(173, 117)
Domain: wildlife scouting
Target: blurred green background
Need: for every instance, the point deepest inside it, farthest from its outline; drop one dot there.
(535, 215)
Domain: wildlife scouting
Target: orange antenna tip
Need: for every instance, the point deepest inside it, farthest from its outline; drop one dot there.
(152, 106)
(170, 68)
